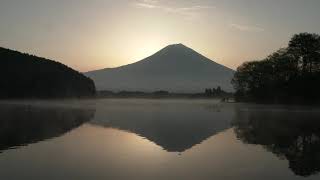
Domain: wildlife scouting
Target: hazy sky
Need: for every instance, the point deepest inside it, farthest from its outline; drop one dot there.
(94, 34)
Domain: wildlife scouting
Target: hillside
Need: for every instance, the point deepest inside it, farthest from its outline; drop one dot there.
(175, 68)
(28, 76)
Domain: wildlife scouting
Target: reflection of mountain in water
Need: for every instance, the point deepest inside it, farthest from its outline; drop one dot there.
(22, 125)
(171, 126)
(294, 136)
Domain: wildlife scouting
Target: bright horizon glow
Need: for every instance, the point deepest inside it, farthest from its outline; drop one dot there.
(90, 35)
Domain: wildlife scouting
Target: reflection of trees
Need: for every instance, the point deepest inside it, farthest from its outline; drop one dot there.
(294, 136)
(22, 125)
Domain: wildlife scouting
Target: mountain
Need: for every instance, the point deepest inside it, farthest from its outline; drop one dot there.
(27, 76)
(175, 68)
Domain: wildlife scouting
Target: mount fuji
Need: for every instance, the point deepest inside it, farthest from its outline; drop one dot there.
(175, 68)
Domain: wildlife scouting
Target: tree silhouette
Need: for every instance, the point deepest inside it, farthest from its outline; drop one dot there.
(28, 76)
(215, 92)
(305, 47)
(289, 75)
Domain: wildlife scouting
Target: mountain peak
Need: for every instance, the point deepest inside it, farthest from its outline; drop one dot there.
(175, 49)
(179, 45)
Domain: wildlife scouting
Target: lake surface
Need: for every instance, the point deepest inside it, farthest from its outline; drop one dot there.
(157, 139)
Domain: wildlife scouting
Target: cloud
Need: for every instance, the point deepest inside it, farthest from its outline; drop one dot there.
(247, 28)
(195, 8)
(150, 1)
(146, 5)
(186, 11)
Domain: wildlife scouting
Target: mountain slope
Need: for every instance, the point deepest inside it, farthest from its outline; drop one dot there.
(175, 68)
(27, 76)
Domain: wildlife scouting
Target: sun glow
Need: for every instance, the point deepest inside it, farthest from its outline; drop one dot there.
(89, 36)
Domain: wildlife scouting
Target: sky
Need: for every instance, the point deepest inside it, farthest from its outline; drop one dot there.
(94, 34)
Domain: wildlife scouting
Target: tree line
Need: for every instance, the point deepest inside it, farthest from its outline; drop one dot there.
(215, 92)
(289, 75)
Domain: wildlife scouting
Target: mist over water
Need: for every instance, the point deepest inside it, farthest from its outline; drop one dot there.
(157, 139)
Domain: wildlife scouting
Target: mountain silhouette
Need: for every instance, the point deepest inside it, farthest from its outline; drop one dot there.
(175, 68)
(27, 76)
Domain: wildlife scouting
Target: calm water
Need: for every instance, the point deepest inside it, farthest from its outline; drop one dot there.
(157, 139)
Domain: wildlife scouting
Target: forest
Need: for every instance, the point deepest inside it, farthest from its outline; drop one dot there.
(27, 76)
(289, 75)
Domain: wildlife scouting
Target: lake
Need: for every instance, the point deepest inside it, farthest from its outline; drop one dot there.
(157, 139)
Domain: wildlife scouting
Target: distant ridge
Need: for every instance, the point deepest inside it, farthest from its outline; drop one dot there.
(175, 68)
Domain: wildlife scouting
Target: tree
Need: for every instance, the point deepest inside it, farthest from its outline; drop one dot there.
(218, 90)
(306, 47)
(28, 76)
(289, 75)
